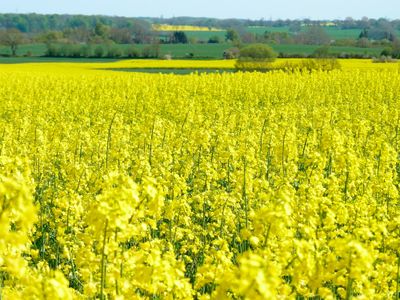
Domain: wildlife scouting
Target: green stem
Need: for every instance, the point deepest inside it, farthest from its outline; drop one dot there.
(283, 155)
(261, 143)
(346, 183)
(103, 262)
(397, 295)
(349, 292)
(109, 139)
(151, 141)
(244, 194)
(349, 288)
(1, 286)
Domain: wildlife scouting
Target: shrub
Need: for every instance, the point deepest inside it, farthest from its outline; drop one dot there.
(384, 59)
(132, 52)
(52, 51)
(387, 52)
(114, 52)
(86, 51)
(189, 55)
(99, 51)
(255, 57)
(253, 65)
(321, 52)
(179, 37)
(67, 50)
(231, 53)
(74, 51)
(151, 51)
(257, 52)
(308, 65)
(214, 40)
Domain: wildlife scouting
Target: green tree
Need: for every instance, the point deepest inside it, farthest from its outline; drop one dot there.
(215, 39)
(132, 52)
(114, 51)
(363, 43)
(99, 51)
(179, 37)
(295, 27)
(231, 35)
(141, 31)
(258, 52)
(50, 37)
(120, 36)
(255, 57)
(52, 50)
(396, 49)
(321, 52)
(13, 38)
(387, 52)
(152, 50)
(102, 30)
(363, 34)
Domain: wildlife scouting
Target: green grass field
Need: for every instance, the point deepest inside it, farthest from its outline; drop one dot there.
(200, 51)
(338, 34)
(34, 49)
(39, 59)
(205, 35)
(262, 29)
(333, 32)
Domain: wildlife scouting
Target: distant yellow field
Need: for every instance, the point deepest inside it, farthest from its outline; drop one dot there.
(346, 64)
(166, 27)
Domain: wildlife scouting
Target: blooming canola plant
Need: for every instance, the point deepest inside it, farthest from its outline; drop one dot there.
(278, 185)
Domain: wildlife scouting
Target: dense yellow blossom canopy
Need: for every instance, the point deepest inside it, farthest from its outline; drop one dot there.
(278, 185)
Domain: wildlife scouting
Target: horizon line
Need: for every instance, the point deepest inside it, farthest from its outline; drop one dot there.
(203, 17)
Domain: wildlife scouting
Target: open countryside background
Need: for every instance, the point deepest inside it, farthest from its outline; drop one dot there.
(201, 38)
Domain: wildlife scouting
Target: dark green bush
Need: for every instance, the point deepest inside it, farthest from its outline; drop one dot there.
(132, 52)
(257, 52)
(256, 57)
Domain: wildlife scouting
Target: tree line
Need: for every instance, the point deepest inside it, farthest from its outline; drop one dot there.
(34, 23)
(96, 36)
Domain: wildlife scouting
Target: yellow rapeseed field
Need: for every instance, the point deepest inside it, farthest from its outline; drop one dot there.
(67, 68)
(167, 27)
(279, 185)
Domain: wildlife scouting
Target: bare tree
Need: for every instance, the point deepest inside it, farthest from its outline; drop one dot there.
(314, 35)
(11, 37)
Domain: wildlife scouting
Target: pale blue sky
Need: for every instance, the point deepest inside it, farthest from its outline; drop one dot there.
(252, 9)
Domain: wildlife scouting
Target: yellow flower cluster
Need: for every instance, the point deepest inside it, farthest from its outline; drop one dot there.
(206, 186)
(167, 27)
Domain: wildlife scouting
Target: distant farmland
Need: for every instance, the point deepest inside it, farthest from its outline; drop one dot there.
(206, 51)
(334, 33)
